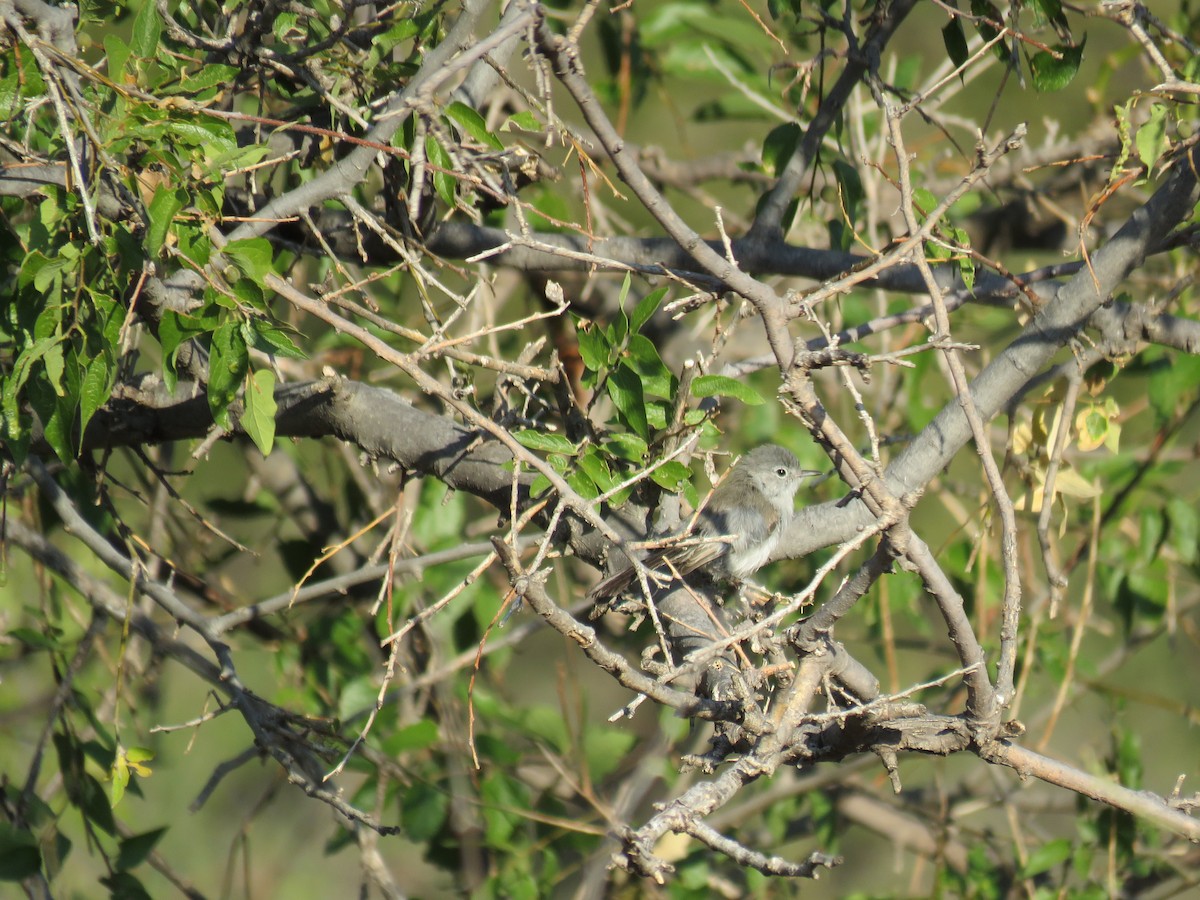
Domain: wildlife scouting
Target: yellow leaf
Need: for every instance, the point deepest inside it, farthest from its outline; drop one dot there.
(1072, 484)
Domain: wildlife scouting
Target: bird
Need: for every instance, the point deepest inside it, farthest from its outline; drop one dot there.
(736, 531)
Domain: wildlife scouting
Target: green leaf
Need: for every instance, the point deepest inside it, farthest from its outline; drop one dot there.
(594, 348)
(1046, 857)
(423, 810)
(443, 182)
(472, 123)
(597, 469)
(625, 388)
(19, 854)
(624, 445)
(53, 414)
(95, 388)
(417, 736)
(55, 363)
(175, 328)
(259, 418)
(1054, 69)
(986, 10)
(270, 338)
(167, 201)
(1052, 10)
(227, 366)
(723, 386)
(779, 146)
(642, 356)
(545, 442)
(1151, 528)
(1151, 138)
(116, 51)
(583, 485)
(383, 44)
(605, 749)
(125, 886)
(850, 187)
(1184, 525)
(524, 120)
(955, 41)
(646, 308)
(207, 76)
(924, 201)
(36, 640)
(135, 849)
(1171, 382)
(252, 255)
(146, 30)
(672, 475)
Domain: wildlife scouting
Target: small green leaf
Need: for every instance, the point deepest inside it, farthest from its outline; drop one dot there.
(642, 356)
(723, 386)
(1184, 525)
(672, 475)
(779, 146)
(207, 76)
(167, 201)
(147, 27)
(524, 120)
(988, 18)
(472, 123)
(252, 255)
(924, 201)
(1054, 69)
(443, 181)
(540, 484)
(135, 849)
(227, 366)
(95, 388)
(55, 363)
(119, 780)
(597, 468)
(646, 308)
(624, 445)
(35, 640)
(259, 418)
(1047, 857)
(966, 271)
(545, 442)
(850, 187)
(270, 338)
(19, 854)
(423, 810)
(1052, 10)
(1151, 528)
(594, 348)
(1151, 138)
(605, 749)
(937, 252)
(955, 41)
(583, 485)
(625, 388)
(417, 736)
(125, 885)
(116, 51)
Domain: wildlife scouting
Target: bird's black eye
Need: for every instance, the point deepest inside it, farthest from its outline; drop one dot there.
(781, 472)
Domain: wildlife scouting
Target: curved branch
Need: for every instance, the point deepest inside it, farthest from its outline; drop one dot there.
(1055, 324)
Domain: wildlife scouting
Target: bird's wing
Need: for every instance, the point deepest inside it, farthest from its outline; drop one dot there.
(668, 561)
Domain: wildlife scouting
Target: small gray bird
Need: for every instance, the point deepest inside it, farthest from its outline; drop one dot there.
(750, 509)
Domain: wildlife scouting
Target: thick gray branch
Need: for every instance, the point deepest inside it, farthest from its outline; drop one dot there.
(1055, 324)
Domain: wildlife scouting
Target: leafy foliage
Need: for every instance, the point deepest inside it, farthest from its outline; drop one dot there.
(339, 350)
